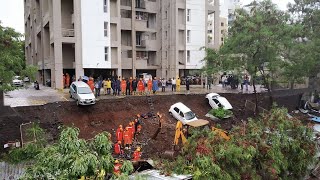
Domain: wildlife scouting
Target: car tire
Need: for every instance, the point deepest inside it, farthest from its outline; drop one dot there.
(70, 95)
(170, 113)
(78, 104)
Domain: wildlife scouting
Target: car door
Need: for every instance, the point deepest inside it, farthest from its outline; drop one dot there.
(72, 91)
(216, 103)
(175, 113)
(181, 118)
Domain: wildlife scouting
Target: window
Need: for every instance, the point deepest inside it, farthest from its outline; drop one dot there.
(188, 15)
(222, 39)
(166, 36)
(166, 54)
(105, 6)
(188, 36)
(222, 24)
(176, 109)
(166, 14)
(105, 29)
(106, 53)
(188, 56)
(181, 114)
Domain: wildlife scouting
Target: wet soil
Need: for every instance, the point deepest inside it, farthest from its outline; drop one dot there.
(108, 114)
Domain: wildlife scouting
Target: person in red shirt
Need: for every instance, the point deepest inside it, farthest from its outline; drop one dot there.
(141, 87)
(133, 129)
(137, 154)
(150, 86)
(117, 149)
(130, 129)
(117, 168)
(91, 84)
(119, 133)
(127, 137)
(123, 86)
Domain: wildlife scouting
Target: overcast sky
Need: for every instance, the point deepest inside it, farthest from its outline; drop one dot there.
(12, 15)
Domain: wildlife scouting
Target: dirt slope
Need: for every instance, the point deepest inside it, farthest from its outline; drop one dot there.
(106, 115)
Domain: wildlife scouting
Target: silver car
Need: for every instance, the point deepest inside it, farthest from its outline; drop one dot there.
(82, 93)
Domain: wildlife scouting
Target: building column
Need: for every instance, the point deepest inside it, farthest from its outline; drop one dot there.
(58, 64)
(133, 38)
(78, 42)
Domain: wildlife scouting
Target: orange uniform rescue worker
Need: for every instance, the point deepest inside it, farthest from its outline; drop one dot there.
(127, 137)
(117, 148)
(137, 154)
(123, 86)
(141, 87)
(150, 85)
(117, 168)
(119, 133)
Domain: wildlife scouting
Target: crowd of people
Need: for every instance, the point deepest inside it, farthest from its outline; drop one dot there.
(132, 86)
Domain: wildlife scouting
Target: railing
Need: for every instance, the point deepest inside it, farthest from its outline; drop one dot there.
(67, 32)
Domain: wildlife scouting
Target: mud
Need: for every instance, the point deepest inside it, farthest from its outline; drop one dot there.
(107, 114)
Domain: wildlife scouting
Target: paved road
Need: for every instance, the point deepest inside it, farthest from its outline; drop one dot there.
(29, 96)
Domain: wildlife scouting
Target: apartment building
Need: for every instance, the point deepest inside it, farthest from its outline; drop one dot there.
(115, 37)
(213, 24)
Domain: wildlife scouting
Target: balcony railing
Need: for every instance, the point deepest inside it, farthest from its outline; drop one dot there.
(67, 32)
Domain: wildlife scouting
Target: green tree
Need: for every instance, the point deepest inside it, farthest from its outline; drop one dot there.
(11, 56)
(306, 15)
(255, 42)
(270, 147)
(72, 157)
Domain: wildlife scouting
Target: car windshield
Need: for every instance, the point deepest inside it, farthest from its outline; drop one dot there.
(189, 115)
(84, 90)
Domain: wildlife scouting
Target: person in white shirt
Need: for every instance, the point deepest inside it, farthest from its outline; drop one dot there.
(163, 85)
(223, 81)
(174, 84)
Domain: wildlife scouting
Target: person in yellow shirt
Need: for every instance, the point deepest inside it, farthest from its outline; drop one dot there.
(107, 86)
(178, 84)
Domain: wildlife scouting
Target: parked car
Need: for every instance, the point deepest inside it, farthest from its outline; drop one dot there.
(216, 101)
(182, 113)
(17, 81)
(82, 93)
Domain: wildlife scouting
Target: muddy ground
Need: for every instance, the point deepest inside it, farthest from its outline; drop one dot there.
(107, 114)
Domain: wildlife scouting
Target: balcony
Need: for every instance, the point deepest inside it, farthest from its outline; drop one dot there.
(151, 6)
(141, 25)
(151, 45)
(67, 32)
(141, 63)
(126, 23)
(126, 63)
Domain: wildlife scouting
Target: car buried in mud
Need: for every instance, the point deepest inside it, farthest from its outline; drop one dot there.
(82, 93)
(182, 113)
(216, 101)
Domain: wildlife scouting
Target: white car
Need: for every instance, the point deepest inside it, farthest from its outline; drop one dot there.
(17, 81)
(81, 92)
(216, 101)
(182, 113)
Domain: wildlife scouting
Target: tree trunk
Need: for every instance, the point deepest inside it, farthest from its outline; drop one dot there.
(292, 84)
(255, 95)
(1, 99)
